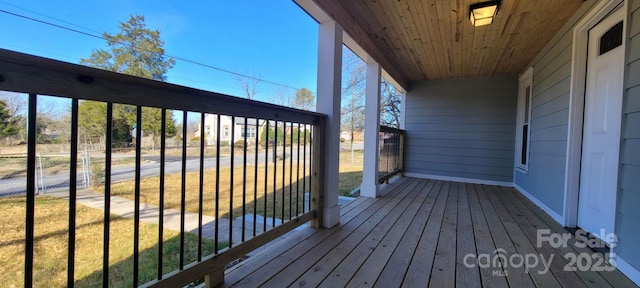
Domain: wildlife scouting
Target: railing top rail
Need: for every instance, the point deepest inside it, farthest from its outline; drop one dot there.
(388, 129)
(32, 74)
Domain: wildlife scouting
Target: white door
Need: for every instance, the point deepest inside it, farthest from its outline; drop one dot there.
(601, 129)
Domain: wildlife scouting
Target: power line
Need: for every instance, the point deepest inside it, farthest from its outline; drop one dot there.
(47, 16)
(52, 24)
(169, 55)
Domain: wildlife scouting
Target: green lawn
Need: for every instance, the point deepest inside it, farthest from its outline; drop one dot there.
(51, 248)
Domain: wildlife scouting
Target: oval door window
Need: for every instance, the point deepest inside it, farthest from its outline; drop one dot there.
(611, 39)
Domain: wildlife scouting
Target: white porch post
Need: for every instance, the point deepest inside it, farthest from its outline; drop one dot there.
(328, 102)
(370, 186)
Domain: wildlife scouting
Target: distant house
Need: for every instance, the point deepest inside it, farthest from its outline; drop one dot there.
(253, 129)
(345, 135)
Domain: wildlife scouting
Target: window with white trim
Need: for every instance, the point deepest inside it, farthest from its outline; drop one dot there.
(523, 129)
(251, 132)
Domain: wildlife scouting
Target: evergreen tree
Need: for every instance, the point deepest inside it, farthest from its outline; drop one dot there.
(138, 51)
(8, 125)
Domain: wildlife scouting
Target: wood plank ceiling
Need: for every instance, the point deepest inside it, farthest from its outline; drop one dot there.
(433, 39)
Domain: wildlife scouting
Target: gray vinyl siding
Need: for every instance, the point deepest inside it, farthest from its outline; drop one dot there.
(627, 228)
(549, 118)
(462, 128)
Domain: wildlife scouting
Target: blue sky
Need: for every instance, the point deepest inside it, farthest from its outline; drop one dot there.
(273, 40)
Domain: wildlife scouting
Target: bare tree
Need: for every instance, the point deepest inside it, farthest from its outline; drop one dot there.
(193, 125)
(390, 105)
(282, 96)
(248, 85)
(353, 91)
(16, 102)
(51, 124)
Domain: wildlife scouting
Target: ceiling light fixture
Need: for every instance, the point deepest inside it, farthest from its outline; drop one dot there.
(482, 14)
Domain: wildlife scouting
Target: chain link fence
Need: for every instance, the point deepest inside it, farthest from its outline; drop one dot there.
(52, 173)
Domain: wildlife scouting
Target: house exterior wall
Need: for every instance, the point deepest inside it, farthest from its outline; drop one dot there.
(545, 177)
(210, 124)
(627, 228)
(462, 128)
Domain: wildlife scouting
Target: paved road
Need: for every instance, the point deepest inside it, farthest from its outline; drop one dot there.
(150, 167)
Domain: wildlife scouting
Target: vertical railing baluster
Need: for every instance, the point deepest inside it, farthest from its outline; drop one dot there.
(401, 152)
(275, 174)
(183, 188)
(217, 202)
(304, 169)
(107, 195)
(312, 149)
(31, 191)
(231, 165)
(244, 175)
(298, 175)
(73, 189)
(266, 177)
(388, 151)
(255, 178)
(397, 151)
(163, 148)
(291, 173)
(136, 221)
(201, 186)
(284, 167)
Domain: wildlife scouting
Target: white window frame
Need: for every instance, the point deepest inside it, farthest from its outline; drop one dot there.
(251, 132)
(524, 119)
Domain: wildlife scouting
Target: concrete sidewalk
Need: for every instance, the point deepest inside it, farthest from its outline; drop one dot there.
(124, 207)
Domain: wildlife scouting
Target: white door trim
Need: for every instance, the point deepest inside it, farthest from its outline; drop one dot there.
(576, 103)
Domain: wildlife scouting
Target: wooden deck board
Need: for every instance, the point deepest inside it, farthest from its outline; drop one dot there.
(341, 274)
(419, 270)
(302, 256)
(382, 253)
(396, 268)
(516, 276)
(417, 234)
(483, 240)
(465, 276)
(276, 248)
(443, 272)
(614, 278)
(525, 230)
(242, 274)
(327, 262)
(520, 210)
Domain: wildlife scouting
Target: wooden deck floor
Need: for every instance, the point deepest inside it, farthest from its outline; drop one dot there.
(419, 234)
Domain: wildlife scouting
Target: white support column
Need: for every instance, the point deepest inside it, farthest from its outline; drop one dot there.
(370, 186)
(328, 102)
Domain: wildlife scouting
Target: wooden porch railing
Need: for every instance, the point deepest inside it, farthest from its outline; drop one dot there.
(298, 147)
(391, 154)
